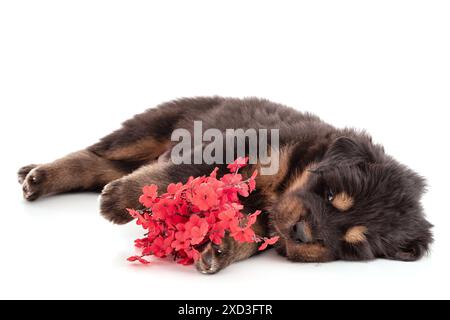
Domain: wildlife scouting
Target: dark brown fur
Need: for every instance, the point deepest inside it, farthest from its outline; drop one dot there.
(376, 211)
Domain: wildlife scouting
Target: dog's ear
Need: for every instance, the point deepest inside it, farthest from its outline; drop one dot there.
(346, 151)
(347, 148)
(414, 249)
(411, 252)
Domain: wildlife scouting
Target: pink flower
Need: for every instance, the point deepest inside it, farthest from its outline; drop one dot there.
(217, 233)
(232, 179)
(185, 261)
(142, 219)
(133, 258)
(243, 190)
(149, 195)
(137, 258)
(214, 173)
(196, 229)
(175, 189)
(251, 220)
(165, 207)
(204, 197)
(237, 164)
(192, 254)
(204, 209)
(159, 247)
(267, 242)
(242, 234)
(181, 241)
(252, 181)
(154, 229)
(227, 215)
(141, 243)
(143, 261)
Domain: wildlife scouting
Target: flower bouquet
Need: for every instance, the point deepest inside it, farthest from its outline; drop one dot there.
(204, 209)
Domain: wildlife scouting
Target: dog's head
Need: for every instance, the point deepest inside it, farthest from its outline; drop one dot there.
(357, 203)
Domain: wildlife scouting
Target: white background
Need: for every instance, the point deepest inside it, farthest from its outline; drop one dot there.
(72, 71)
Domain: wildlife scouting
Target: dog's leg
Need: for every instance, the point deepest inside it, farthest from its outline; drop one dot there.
(124, 193)
(82, 170)
(88, 170)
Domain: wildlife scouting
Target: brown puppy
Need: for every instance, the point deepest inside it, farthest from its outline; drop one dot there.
(336, 195)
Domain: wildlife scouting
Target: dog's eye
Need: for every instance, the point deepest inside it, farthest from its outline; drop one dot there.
(329, 195)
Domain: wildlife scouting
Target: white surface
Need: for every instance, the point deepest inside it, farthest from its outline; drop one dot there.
(70, 72)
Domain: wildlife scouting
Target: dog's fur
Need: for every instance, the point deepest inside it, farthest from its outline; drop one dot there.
(337, 195)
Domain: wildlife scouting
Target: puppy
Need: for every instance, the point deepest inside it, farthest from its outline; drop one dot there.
(335, 195)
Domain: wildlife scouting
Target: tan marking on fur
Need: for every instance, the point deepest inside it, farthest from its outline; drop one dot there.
(342, 201)
(301, 180)
(291, 205)
(269, 183)
(144, 149)
(312, 251)
(291, 210)
(356, 235)
(306, 252)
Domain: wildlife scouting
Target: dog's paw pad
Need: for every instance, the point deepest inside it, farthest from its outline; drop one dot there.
(114, 201)
(33, 184)
(24, 171)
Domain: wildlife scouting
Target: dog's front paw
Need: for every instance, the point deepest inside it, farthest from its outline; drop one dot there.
(116, 197)
(33, 180)
(24, 171)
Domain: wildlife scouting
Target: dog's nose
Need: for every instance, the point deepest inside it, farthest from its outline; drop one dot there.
(301, 232)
